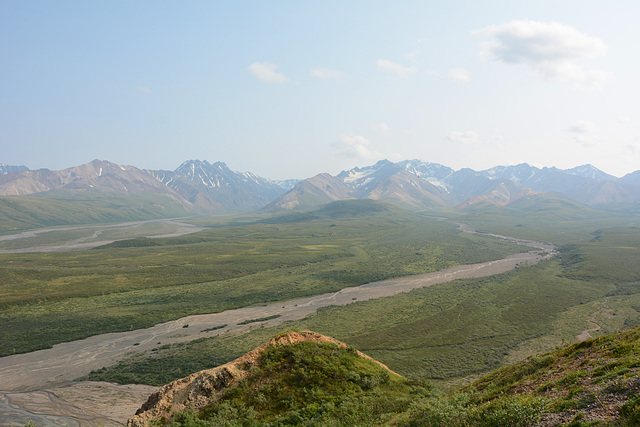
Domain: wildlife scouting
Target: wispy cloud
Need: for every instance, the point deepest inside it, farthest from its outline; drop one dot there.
(583, 132)
(267, 72)
(323, 73)
(401, 70)
(551, 49)
(145, 90)
(468, 137)
(634, 146)
(355, 147)
(459, 75)
(382, 128)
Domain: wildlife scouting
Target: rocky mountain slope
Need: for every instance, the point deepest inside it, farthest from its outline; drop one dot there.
(98, 175)
(216, 187)
(437, 185)
(384, 181)
(412, 184)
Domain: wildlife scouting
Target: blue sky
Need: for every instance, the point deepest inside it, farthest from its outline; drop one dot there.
(289, 89)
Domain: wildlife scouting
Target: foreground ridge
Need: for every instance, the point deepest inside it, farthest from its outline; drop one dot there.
(203, 388)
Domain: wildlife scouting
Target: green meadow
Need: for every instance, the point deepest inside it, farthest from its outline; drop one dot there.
(46, 298)
(458, 330)
(19, 213)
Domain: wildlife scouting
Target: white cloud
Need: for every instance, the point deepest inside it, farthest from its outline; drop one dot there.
(267, 72)
(624, 119)
(459, 75)
(581, 127)
(468, 137)
(550, 48)
(355, 147)
(401, 70)
(323, 73)
(412, 55)
(382, 128)
(584, 132)
(145, 90)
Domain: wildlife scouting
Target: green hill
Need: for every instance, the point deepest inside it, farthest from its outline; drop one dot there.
(303, 378)
(296, 378)
(19, 213)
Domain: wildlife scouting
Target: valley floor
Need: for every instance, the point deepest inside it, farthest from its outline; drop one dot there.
(32, 376)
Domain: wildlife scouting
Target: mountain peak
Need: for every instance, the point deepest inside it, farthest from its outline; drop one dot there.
(590, 171)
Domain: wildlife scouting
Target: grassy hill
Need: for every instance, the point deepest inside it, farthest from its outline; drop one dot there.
(19, 213)
(298, 382)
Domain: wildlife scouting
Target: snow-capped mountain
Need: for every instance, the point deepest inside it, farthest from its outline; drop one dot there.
(5, 169)
(435, 173)
(413, 184)
(384, 181)
(215, 186)
(591, 172)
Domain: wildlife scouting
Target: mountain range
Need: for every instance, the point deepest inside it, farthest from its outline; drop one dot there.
(414, 184)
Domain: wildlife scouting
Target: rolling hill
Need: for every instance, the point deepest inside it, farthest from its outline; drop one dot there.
(304, 378)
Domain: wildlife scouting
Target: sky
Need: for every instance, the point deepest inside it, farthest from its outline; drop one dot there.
(290, 89)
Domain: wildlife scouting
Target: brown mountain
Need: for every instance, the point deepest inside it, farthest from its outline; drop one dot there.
(384, 181)
(500, 193)
(97, 175)
(320, 189)
(407, 190)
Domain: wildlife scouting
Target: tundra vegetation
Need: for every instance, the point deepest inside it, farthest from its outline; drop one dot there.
(446, 334)
(593, 382)
(455, 330)
(46, 298)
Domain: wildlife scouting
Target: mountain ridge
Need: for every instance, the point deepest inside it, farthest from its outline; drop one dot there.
(412, 184)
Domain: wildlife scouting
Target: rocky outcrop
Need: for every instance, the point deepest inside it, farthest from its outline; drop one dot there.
(205, 387)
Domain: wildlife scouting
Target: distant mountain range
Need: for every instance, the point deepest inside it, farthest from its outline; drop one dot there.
(5, 169)
(414, 184)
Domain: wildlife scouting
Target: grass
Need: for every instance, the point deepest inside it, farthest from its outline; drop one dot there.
(259, 319)
(47, 298)
(448, 331)
(591, 382)
(19, 213)
(439, 332)
(96, 232)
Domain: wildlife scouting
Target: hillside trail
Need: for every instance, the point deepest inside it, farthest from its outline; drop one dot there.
(592, 320)
(41, 375)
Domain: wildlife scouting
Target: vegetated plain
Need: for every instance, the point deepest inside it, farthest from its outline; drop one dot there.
(46, 298)
(460, 329)
(58, 208)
